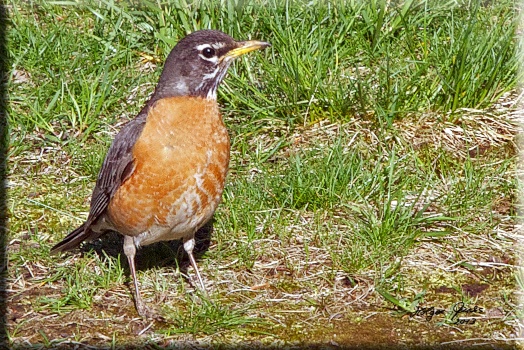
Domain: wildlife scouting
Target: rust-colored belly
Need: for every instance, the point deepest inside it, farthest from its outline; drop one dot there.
(181, 162)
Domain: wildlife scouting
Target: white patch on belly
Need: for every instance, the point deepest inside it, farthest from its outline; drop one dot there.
(189, 215)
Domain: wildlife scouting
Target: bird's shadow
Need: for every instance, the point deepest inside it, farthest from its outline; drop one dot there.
(160, 254)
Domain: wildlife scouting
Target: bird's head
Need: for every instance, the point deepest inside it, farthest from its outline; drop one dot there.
(199, 62)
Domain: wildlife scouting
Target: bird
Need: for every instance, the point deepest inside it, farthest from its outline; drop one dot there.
(163, 176)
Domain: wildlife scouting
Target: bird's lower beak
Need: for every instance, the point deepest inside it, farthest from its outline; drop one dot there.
(245, 47)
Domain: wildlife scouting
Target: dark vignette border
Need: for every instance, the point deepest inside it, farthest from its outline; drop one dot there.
(4, 141)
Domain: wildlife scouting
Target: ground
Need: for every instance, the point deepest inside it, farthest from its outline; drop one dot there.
(292, 293)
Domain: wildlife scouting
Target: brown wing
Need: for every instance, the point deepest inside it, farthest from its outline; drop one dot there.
(117, 167)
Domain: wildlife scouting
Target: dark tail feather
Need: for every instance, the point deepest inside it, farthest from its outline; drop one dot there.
(73, 239)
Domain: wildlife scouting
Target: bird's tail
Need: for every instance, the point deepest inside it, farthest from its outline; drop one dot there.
(73, 239)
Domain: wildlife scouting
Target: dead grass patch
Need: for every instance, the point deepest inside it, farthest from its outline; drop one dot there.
(291, 291)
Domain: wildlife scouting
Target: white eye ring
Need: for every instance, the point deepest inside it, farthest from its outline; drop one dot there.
(208, 52)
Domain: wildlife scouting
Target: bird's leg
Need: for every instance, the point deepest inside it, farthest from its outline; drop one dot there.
(189, 244)
(130, 251)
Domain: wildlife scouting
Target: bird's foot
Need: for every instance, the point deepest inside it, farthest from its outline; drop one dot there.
(148, 313)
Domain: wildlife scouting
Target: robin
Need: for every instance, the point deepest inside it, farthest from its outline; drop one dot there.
(163, 176)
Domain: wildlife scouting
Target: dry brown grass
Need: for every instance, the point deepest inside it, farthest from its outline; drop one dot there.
(301, 299)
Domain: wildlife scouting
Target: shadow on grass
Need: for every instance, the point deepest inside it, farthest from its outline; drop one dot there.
(4, 76)
(159, 254)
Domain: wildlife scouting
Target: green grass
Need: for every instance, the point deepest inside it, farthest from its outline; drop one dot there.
(370, 167)
(336, 60)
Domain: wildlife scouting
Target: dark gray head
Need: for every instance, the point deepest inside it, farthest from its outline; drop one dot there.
(199, 62)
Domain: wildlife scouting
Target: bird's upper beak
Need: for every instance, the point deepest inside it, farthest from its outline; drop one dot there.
(245, 47)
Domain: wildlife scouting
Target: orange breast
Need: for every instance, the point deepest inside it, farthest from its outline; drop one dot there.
(181, 158)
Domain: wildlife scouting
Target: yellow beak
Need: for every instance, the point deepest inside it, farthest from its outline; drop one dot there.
(245, 47)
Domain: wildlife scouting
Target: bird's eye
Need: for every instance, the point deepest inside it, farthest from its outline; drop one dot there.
(208, 52)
